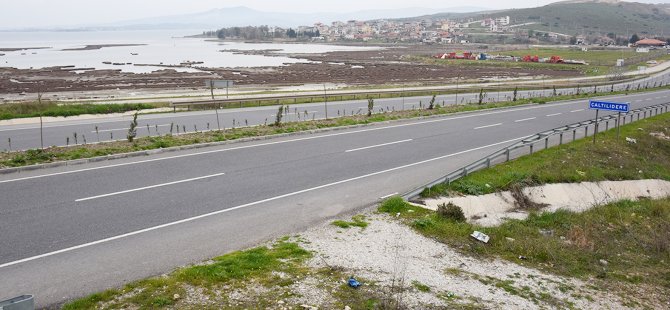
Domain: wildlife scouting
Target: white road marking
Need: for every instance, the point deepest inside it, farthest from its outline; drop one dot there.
(191, 219)
(555, 114)
(525, 119)
(378, 145)
(488, 126)
(388, 196)
(149, 187)
(574, 111)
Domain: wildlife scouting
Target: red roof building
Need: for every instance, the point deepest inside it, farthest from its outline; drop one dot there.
(650, 42)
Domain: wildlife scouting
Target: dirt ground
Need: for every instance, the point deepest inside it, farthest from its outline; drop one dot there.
(388, 66)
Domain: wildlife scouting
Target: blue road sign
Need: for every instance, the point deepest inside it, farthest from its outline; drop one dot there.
(609, 106)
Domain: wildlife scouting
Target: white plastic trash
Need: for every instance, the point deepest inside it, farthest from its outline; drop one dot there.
(480, 236)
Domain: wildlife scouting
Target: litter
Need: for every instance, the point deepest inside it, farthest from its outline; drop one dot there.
(521, 257)
(353, 282)
(480, 236)
(631, 140)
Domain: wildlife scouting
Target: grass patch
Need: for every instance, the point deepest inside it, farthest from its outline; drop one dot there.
(421, 287)
(580, 161)
(357, 221)
(34, 109)
(229, 270)
(632, 237)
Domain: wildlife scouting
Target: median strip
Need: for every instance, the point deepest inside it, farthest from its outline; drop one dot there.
(378, 145)
(150, 187)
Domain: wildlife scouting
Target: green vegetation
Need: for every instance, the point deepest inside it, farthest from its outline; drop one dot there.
(52, 154)
(581, 161)
(421, 287)
(230, 271)
(34, 109)
(357, 221)
(625, 241)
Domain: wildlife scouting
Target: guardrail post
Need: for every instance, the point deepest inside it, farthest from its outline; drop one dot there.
(546, 143)
(507, 154)
(531, 149)
(448, 181)
(607, 125)
(586, 131)
(574, 134)
(465, 172)
(488, 162)
(560, 142)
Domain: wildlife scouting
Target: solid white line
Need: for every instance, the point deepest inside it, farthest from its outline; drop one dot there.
(573, 111)
(550, 115)
(149, 187)
(378, 145)
(388, 196)
(525, 119)
(488, 126)
(246, 205)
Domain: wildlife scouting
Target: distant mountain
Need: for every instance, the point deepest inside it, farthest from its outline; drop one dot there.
(590, 17)
(244, 16)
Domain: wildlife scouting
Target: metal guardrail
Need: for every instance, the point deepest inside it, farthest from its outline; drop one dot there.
(25, 302)
(541, 137)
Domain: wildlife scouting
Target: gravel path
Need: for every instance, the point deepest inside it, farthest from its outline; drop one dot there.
(388, 251)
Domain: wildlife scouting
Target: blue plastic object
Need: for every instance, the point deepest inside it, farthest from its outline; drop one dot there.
(354, 283)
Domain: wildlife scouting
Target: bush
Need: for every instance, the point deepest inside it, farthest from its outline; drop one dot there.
(393, 205)
(451, 212)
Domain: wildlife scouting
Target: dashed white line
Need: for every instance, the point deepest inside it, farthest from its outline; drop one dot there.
(378, 145)
(488, 126)
(525, 119)
(574, 111)
(555, 114)
(150, 187)
(191, 219)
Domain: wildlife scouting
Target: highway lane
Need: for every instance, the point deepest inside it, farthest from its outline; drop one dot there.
(323, 175)
(27, 136)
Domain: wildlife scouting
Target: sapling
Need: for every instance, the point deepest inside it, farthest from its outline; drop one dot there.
(157, 133)
(97, 133)
(516, 91)
(132, 131)
(74, 134)
(431, 104)
(183, 127)
(279, 116)
(371, 106)
(67, 142)
(84, 138)
(481, 96)
(9, 141)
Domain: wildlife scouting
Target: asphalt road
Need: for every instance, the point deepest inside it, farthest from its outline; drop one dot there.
(70, 231)
(27, 136)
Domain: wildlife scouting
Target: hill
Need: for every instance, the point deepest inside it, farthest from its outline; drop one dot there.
(590, 17)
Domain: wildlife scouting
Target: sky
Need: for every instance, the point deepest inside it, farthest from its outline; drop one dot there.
(43, 13)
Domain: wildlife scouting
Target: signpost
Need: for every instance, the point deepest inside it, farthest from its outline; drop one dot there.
(218, 84)
(608, 106)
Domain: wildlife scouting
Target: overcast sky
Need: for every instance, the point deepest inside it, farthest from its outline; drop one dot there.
(39, 13)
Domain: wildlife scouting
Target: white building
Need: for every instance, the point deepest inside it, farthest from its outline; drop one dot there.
(502, 21)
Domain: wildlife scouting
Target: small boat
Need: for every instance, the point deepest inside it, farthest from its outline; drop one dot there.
(107, 62)
(119, 63)
(134, 54)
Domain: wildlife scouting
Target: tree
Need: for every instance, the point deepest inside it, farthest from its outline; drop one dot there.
(431, 105)
(516, 91)
(634, 38)
(291, 33)
(573, 40)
